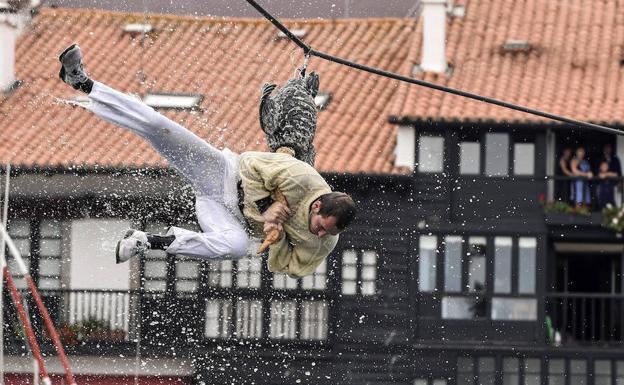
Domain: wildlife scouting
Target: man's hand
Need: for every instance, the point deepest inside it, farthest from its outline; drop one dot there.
(277, 213)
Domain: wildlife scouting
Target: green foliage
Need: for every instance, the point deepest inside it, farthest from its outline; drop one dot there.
(565, 208)
(89, 330)
(613, 218)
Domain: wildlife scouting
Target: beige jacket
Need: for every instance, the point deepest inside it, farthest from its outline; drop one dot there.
(299, 252)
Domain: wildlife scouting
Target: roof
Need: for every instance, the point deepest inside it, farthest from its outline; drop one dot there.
(575, 68)
(226, 60)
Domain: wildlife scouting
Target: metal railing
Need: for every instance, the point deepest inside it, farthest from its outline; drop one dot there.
(587, 317)
(572, 190)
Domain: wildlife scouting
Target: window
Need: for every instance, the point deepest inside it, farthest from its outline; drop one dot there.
(317, 280)
(527, 249)
(532, 371)
(430, 154)
(511, 371)
(180, 101)
(619, 375)
(249, 319)
(314, 320)
(524, 158)
(502, 264)
(556, 372)
(452, 263)
(359, 272)
(469, 158)
(602, 372)
(50, 254)
(19, 231)
(487, 372)
(220, 273)
(465, 371)
(496, 154)
(427, 263)
(155, 264)
(516, 309)
(283, 320)
(283, 281)
(578, 372)
(218, 318)
(476, 264)
(458, 307)
(187, 275)
(248, 272)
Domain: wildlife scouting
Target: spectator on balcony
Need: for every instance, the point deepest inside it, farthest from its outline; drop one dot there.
(606, 186)
(612, 160)
(582, 170)
(563, 187)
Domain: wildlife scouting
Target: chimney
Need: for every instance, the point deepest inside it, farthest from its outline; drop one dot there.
(13, 15)
(8, 36)
(434, 36)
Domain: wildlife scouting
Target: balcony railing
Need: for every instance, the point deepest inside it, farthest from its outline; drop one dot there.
(156, 319)
(593, 193)
(587, 317)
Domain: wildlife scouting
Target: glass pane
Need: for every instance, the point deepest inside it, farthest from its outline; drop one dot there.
(465, 364)
(511, 379)
(349, 272)
(49, 267)
(526, 259)
(602, 367)
(369, 273)
(349, 257)
(155, 269)
(502, 264)
(155, 285)
(49, 283)
(348, 287)
(430, 154)
(619, 367)
(511, 365)
(532, 371)
(486, 365)
(469, 158)
(452, 263)
(439, 382)
(516, 309)
(19, 228)
(458, 308)
(50, 228)
(427, 263)
(420, 381)
(369, 257)
(496, 154)
(477, 265)
(50, 248)
(186, 286)
(187, 269)
(524, 158)
(368, 288)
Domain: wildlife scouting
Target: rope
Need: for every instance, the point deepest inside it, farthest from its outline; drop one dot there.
(307, 50)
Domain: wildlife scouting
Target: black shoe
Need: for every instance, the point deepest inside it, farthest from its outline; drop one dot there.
(72, 70)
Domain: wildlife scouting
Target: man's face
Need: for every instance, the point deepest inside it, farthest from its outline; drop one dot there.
(319, 225)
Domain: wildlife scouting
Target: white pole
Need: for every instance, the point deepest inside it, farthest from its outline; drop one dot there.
(2, 259)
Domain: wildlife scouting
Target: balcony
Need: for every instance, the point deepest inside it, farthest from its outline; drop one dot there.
(586, 318)
(114, 322)
(580, 201)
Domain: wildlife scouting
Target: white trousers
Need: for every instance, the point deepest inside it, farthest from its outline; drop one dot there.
(212, 173)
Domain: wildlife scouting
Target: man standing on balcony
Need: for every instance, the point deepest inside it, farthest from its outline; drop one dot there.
(308, 225)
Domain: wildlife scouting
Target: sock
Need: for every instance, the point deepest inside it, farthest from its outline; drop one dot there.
(87, 86)
(160, 242)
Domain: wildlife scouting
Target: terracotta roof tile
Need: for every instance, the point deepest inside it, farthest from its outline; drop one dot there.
(225, 60)
(573, 70)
